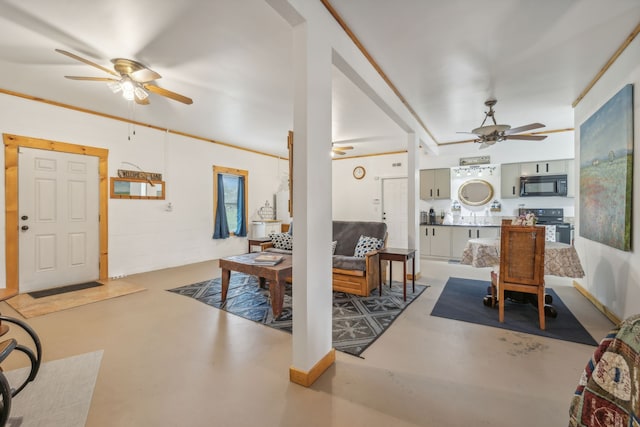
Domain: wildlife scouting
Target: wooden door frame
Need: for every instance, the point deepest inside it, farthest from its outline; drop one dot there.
(12, 143)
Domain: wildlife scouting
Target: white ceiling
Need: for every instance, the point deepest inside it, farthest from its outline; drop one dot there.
(233, 57)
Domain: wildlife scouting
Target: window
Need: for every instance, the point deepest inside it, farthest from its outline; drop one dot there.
(230, 189)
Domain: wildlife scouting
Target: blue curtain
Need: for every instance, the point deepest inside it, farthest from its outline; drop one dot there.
(241, 231)
(221, 228)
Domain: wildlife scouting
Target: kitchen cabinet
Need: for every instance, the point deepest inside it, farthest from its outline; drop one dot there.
(435, 241)
(511, 172)
(435, 184)
(549, 167)
(460, 236)
(510, 180)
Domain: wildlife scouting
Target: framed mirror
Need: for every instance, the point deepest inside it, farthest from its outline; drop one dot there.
(475, 192)
(127, 188)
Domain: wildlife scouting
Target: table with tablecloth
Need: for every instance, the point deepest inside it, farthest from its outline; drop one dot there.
(560, 259)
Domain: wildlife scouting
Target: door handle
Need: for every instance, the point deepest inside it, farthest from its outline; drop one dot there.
(24, 227)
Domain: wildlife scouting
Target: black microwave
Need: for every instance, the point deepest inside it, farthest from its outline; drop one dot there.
(543, 186)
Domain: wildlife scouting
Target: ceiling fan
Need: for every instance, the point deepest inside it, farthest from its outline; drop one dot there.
(131, 77)
(340, 149)
(492, 133)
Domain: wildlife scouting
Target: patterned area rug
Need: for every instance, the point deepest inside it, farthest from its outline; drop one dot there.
(357, 321)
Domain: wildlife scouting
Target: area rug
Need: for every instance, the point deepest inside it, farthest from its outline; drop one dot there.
(461, 299)
(30, 307)
(357, 321)
(59, 396)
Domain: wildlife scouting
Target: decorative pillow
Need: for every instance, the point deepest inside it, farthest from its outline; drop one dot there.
(367, 244)
(282, 241)
(333, 247)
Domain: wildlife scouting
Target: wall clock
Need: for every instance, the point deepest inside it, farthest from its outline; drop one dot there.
(359, 172)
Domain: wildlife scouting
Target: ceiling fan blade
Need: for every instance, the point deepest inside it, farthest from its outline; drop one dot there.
(86, 61)
(343, 147)
(524, 128)
(164, 92)
(94, 79)
(341, 153)
(528, 137)
(144, 76)
(141, 101)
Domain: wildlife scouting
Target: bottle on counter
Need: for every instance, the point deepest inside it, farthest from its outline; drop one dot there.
(432, 216)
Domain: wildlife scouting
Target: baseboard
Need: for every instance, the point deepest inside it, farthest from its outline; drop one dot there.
(604, 310)
(410, 277)
(307, 378)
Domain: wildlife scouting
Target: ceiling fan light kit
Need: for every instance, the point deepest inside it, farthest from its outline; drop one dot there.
(492, 133)
(132, 78)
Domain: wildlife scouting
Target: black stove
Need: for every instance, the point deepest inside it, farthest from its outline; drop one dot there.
(552, 216)
(545, 216)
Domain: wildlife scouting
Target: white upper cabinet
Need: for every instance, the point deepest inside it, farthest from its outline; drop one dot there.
(435, 184)
(511, 173)
(510, 180)
(550, 167)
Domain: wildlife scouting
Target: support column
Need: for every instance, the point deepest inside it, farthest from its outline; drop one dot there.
(313, 227)
(413, 197)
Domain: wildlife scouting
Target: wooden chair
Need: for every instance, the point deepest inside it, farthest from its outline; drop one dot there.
(521, 266)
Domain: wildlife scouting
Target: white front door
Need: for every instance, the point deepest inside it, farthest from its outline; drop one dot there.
(394, 211)
(58, 208)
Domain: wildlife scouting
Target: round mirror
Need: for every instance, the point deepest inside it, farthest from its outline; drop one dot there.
(475, 192)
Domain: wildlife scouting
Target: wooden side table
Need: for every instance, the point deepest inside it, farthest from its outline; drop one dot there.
(398, 254)
(257, 241)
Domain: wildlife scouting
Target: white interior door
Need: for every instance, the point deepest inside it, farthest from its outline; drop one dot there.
(394, 214)
(58, 208)
(394, 211)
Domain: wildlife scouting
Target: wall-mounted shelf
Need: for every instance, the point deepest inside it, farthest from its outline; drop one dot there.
(128, 188)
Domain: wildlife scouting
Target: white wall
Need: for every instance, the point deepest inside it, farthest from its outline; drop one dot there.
(612, 276)
(360, 199)
(143, 235)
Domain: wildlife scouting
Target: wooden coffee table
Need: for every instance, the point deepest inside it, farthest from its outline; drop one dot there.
(275, 274)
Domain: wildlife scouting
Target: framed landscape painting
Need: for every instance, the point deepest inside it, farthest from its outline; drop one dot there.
(606, 172)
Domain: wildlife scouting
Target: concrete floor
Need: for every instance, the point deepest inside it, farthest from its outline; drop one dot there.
(172, 361)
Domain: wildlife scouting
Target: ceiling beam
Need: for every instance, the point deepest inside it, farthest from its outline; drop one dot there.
(606, 66)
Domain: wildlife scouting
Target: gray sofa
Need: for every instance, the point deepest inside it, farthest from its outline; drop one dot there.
(351, 274)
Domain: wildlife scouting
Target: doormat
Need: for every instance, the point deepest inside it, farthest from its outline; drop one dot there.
(30, 307)
(63, 289)
(357, 321)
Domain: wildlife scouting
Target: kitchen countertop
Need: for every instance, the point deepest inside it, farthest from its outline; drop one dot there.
(462, 225)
